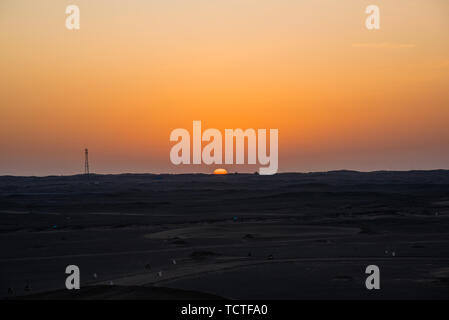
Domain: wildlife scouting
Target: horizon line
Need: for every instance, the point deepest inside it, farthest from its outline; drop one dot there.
(211, 174)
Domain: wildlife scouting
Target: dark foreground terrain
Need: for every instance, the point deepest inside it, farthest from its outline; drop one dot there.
(289, 236)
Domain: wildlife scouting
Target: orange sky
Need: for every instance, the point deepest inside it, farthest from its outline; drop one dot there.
(341, 96)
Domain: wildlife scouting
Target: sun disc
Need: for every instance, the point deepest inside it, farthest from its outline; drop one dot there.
(220, 171)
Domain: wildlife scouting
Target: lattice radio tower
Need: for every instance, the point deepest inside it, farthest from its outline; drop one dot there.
(86, 162)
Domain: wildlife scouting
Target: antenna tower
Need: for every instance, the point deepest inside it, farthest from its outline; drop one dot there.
(86, 162)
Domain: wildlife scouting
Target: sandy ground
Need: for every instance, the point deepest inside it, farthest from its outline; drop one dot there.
(289, 236)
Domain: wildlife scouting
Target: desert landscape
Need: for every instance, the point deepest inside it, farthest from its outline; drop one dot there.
(235, 236)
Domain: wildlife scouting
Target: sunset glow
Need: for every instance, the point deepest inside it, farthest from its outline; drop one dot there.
(342, 97)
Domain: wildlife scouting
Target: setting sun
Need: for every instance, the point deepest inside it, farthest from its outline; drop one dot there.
(220, 171)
